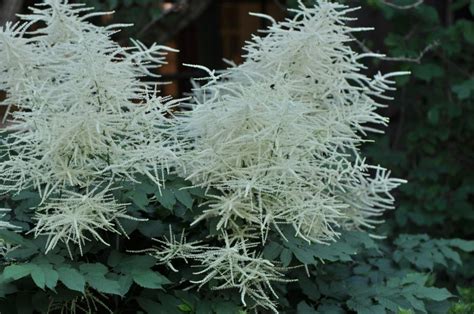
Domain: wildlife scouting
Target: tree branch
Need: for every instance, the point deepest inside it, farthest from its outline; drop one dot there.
(403, 7)
(416, 59)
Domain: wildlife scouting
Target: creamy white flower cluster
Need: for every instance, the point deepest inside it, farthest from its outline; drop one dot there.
(87, 114)
(279, 137)
(235, 265)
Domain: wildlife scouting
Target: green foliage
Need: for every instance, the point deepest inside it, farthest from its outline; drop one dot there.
(369, 276)
(423, 266)
(431, 136)
(466, 303)
(431, 131)
(357, 273)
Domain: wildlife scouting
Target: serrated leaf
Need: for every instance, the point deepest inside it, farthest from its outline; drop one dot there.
(95, 277)
(432, 293)
(15, 238)
(166, 198)
(139, 198)
(16, 272)
(184, 197)
(149, 279)
(365, 306)
(451, 254)
(125, 282)
(93, 268)
(304, 308)
(38, 276)
(152, 228)
(272, 250)
(104, 285)
(71, 278)
(466, 246)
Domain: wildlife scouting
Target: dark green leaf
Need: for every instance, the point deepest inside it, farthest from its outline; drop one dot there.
(71, 278)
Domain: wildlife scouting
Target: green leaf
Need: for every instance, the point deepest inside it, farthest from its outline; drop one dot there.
(428, 71)
(304, 308)
(433, 293)
(272, 250)
(44, 275)
(466, 246)
(139, 198)
(166, 198)
(135, 262)
(24, 195)
(105, 285)
(149, 279)
(71, 278)
(38, 276)
(285, 257)
(17, 271)
(464, 90)
(125, 282)
(149, 306)
(95, 277)
(185, 308)
(365, 306)
(152, 228)
(451, 254)
(184, 197)
(15, 238)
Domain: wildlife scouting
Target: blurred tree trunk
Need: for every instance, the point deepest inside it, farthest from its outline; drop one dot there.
(9, 9)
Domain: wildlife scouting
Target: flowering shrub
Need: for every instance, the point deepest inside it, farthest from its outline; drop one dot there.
(264, 176)
(84, 120)
(279, 135)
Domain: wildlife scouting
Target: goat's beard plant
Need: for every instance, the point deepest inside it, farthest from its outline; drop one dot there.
(85, 118)
(277, 138)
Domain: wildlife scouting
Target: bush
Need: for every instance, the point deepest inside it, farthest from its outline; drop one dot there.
(257, 198)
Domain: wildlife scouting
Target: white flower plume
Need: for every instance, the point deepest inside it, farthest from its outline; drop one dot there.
(279, 135)
(85, 113)
(234, 266)
(76, 218)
